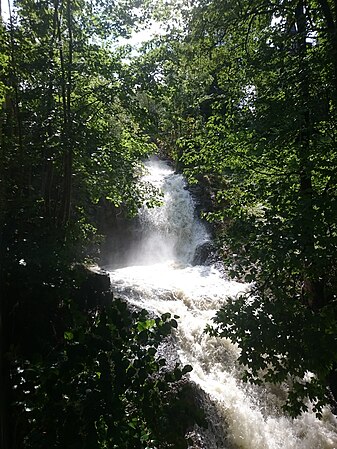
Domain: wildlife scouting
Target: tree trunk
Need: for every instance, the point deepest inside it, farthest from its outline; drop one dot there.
(312, 287)
(66, 89)
(48, 172)
(68, 162)
(330, 17)
(15, 101)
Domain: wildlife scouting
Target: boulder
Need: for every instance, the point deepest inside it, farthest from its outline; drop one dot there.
(204, 254)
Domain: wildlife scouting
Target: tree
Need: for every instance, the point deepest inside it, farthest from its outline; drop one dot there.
(68, 139)
(266, 148)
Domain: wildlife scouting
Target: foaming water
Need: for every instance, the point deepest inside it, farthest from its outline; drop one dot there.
(163, 281)
(170, 233)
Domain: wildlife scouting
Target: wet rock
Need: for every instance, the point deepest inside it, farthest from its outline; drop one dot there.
(204, 254)
(121, 233)
(202, 196)
(213, 434)
(180, 414)
(94, 288)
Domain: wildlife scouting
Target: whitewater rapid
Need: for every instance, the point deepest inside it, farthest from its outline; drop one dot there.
(161, 279)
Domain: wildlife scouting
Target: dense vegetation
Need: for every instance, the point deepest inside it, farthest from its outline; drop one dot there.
(246, 104)
(242, 96)
(77, 369)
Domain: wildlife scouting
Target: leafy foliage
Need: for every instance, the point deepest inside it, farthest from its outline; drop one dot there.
(278, 338)
(69, 139)
(103, 378)
(68, 122)
(258, 131)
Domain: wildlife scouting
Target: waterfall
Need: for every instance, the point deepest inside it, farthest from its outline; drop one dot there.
(170, 233)
(160, 278)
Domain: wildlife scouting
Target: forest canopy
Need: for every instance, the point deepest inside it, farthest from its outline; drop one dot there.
(70, 144)
(246, 105)
(242, 97)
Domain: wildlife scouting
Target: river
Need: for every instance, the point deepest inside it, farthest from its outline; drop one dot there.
(160, 278)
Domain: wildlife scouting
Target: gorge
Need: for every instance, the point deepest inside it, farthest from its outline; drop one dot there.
(159, 276)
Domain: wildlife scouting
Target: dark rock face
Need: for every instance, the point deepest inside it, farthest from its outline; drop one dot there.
(181, 413)
(202, 195)
(210, 432)
(204, 254)
(94, 290)
(120, 232)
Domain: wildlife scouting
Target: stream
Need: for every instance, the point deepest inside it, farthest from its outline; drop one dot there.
(160, 278)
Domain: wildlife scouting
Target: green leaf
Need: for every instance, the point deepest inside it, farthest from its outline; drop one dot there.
(68, 335)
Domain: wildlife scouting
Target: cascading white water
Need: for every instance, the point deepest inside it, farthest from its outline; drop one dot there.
(161, 279)
(170, 232)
